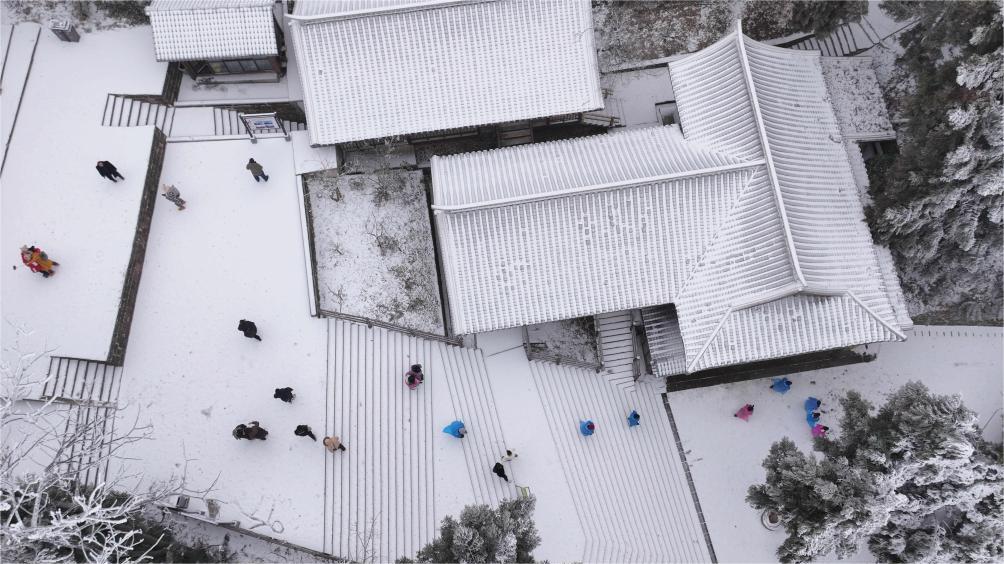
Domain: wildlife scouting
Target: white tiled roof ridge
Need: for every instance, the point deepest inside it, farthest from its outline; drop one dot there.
(382, 10)
(515, 200)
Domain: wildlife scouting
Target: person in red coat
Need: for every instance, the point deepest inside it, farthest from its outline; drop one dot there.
(37, 261)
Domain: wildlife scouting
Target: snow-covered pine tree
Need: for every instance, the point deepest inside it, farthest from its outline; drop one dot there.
(915, 480)
(940, 203)
(504, 534)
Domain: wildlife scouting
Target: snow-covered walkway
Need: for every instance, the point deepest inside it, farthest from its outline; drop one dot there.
(52, 195)
(234, 253)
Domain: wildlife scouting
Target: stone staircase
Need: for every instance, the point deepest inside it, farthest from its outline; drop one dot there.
(380, 494)
(379, 498)
(516, 133)
(617, 348)
(89, 391)
(82, 382)
(628, 484)
(472, 401)
(665, 343)
(127, 111)
(124, 111)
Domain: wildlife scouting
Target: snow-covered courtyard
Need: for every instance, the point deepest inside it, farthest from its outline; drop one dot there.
(554, 220)
(725, 453)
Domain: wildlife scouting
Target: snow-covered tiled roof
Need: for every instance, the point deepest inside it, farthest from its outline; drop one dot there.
(751, 226)
(443, 65)
(857, 98)
(190, 30)
(565, 238)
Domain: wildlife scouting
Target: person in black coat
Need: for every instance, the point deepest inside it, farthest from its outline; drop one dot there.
(285, 394)
(254, 431)
(249, 329)
(250, 432)
(304, 431)
(499, 471)
(108, 170)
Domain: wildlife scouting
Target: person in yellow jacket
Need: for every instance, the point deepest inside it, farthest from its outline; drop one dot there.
(37, 261)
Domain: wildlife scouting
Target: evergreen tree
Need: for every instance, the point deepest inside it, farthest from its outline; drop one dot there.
(915, 480)
(939, 204)
(822, 18)
(483, 534)
(772, 19)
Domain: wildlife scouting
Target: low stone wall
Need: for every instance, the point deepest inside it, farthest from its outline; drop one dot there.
(130, 289)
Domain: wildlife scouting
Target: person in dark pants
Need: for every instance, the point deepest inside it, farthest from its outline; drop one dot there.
(254, 431)
(414, 377)
(249, 329)
(333, 443)
(304, 431)
(499, 471)
(108, 170)
(256, 170)
(285, 394)
(250, 432)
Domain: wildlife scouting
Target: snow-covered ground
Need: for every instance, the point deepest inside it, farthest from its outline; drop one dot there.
(54, 198)
(725, 453)
(374, 249)
(234, 253)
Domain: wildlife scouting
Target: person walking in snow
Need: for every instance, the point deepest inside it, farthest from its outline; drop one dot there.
(250, 432)
(509, 455)
(587, 427)
(284, 394)
(744, 412)
(634, 419)
(456, 429)
(819, 430)
(37, 261)
(173, 195)
(414, 377)
(249, 329)
(781, 385)
(499, 471)
(304, 431)
(811, 404)
(108, 170)
(240, 432)
(333, 443)
(812, 417)
(256, 170)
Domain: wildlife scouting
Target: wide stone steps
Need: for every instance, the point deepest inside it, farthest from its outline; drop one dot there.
(473, 402)
(380, 492)
(82, 381)
(85, 392)
(628, 484)
(617, 349)
(122, 111)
